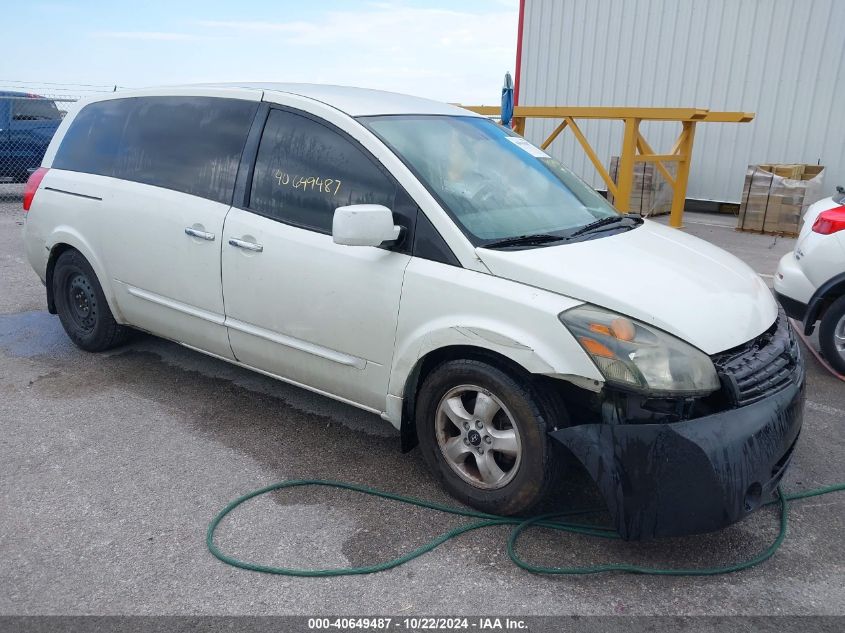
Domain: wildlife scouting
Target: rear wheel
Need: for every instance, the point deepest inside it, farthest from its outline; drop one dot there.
(483, 434)
(82, 307)
(832, 335)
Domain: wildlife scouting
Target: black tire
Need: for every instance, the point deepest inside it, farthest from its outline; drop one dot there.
(531, 411)
(833, 318)
(82, 307)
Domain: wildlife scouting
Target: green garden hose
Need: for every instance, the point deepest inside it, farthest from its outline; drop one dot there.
(481, 520)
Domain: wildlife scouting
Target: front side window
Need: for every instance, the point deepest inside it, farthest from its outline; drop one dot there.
(305, 170)
(494, 184)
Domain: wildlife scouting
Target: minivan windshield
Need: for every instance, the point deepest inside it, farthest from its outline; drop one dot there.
(496, 185)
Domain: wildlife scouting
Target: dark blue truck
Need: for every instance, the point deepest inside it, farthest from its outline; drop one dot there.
(27, 123)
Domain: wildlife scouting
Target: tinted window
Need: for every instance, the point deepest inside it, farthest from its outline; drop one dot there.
(188, 144)
(92, 141)
(34, 109)
(305, 170)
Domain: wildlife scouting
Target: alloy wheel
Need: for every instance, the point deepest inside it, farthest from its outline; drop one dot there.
(478, 437)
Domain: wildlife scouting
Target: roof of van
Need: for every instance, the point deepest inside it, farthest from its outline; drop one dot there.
(354, 101)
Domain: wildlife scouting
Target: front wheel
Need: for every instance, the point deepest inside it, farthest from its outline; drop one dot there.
(832, 335)
(483, 434)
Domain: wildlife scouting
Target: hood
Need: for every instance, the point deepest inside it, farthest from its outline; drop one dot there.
(660, 276)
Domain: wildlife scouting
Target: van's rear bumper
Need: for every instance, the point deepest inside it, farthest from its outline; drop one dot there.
(693, 476)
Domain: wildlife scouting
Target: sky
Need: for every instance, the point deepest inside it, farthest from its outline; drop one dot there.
(455, 51)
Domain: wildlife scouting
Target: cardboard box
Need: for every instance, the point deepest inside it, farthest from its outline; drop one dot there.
(793, 172)
(775, 197)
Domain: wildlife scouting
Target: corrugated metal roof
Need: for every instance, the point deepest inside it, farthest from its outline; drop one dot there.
(782, 59)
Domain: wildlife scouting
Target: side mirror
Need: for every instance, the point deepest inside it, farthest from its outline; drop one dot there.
(364, 225)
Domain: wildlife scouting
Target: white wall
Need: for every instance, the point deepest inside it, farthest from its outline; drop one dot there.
(782, 59)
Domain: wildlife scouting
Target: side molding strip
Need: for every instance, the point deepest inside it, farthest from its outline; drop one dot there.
(328, 394)
(205, 315)
(295, 343)
(248, 328)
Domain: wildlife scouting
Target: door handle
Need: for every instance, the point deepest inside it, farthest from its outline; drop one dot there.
(249, 246)
(200, 234)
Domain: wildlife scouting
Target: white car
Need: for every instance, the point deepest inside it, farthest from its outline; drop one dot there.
(810, 281)
(428, 265)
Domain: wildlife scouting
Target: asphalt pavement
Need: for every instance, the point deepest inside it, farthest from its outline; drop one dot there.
(112, 465)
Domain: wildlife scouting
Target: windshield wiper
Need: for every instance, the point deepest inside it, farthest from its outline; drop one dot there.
(613, 219)
(524, 240)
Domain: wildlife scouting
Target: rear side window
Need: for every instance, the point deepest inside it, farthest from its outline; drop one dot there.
(92, 141)
(187, 144)
(305, 170)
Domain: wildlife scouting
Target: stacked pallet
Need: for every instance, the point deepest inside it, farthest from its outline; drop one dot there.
(775, 197)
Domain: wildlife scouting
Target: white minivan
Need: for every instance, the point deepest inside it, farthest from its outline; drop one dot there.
(424, 263)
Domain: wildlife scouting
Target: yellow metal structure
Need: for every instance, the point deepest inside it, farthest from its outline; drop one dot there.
(635, 148)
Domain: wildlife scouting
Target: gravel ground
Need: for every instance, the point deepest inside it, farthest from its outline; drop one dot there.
(112, 465)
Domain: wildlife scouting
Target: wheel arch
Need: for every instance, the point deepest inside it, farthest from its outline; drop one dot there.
(825, 294)
(434, 358)
(62, 241)
(55, 252)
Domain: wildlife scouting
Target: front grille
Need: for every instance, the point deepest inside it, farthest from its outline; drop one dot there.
(761, 367)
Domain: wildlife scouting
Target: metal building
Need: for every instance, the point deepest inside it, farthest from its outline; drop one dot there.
(782, 59)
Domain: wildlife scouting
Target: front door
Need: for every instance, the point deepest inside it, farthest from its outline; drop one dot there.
(298, 305)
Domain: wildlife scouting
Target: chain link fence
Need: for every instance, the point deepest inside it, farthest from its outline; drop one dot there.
(30, 114)
(27, 123)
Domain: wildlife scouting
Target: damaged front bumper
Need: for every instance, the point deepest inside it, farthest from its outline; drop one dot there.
(697, 475)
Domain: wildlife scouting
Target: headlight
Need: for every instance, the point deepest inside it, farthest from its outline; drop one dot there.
(636, 355)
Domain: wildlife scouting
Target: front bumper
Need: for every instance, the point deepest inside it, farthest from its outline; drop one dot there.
(693, 476)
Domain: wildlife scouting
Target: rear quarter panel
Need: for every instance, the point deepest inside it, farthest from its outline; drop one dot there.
(58, 217)
(821, 257)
